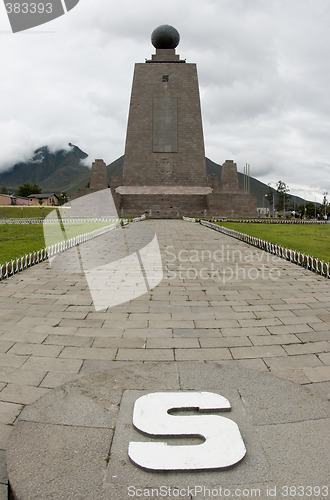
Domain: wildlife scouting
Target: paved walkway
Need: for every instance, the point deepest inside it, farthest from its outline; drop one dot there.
(220, 300)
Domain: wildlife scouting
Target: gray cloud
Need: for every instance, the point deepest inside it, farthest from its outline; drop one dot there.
(263, 72)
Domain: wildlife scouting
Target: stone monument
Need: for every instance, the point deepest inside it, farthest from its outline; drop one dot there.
(164, 171)
(228, 200)
(99, 178)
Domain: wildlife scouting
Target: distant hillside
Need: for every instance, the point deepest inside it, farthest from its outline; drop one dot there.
(54, 172)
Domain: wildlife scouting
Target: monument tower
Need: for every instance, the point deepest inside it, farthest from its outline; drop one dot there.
(164, 171)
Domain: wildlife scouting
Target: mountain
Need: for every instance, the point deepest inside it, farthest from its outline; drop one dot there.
(57, 171)
(63, 170)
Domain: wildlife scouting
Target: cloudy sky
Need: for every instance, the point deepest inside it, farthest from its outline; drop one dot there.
(263, 69)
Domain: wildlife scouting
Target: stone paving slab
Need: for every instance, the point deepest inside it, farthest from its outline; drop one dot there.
(73, 442)
(223, 304)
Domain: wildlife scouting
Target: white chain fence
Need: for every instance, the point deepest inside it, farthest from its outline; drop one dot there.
(67, 220)
(312, 263)
(28, 260)
(273, 221)
(139, 219)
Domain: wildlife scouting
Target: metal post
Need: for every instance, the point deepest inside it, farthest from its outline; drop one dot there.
(325, 203)
(315, 208)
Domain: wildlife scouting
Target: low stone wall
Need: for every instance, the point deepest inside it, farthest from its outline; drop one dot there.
(163, 206)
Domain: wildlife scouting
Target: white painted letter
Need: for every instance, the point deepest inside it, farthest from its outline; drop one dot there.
(223, 446)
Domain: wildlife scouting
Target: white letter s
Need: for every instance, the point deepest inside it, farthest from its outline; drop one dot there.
(223, 446)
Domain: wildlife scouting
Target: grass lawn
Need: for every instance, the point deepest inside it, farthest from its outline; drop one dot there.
(311, 239)
(20, 212)
(17, 240)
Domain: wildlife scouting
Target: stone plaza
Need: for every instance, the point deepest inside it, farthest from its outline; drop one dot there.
(232, 307)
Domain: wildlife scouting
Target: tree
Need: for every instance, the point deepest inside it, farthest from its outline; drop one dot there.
(307, 210)
(289, 204)
(4, 190)
(26, 189)
(281, 198)
(63, 198)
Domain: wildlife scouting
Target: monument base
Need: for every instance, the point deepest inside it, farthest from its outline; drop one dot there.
(162, 202)
(236, 204)
(170, 201)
